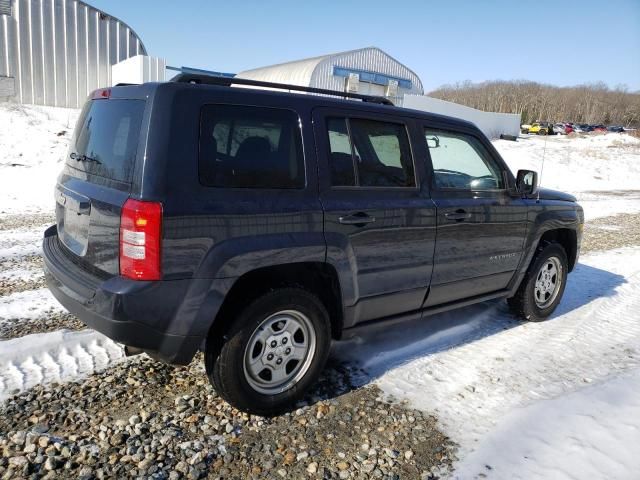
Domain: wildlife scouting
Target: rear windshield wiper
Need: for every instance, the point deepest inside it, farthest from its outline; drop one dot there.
(84, 158)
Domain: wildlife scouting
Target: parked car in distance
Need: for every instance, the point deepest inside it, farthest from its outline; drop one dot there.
(541, 128)
(583, 128)
(256, 225)
(559, 129)
(568, 128)
(615, 128)
(599, 128)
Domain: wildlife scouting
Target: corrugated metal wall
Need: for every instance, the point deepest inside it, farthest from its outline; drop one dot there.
(57, 51)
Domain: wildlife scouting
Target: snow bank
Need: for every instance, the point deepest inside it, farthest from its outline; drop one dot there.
(53, 357)
(33, 145)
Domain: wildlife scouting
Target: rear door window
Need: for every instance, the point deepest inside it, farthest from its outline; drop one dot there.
(250, 147)
(106, 138)
(369, 153)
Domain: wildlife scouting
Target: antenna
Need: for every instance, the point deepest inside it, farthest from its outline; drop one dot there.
(544, 152)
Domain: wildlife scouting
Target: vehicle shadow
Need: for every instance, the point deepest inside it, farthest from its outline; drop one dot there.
(356, 362)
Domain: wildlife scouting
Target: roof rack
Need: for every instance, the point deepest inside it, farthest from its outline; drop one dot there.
(227, 82)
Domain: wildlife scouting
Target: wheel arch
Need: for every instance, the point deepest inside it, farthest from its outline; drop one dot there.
(567, 238)
(319, 278)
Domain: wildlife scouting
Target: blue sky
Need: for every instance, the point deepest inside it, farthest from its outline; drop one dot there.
(562, 42)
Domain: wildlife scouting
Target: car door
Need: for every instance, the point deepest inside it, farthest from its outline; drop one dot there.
(481, 227)
(379, 225)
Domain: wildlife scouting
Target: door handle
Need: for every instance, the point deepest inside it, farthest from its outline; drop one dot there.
(458, 216)
(358, 219)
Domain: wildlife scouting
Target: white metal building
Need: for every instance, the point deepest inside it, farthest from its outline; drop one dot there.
(492, 124)
(367, 70)
(371, 71)
(54, 52)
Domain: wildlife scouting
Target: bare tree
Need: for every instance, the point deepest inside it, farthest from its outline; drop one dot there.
(589, 103)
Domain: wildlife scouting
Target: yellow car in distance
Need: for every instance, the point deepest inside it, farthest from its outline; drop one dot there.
(537, 128)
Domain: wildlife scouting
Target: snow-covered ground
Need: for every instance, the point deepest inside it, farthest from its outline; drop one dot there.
(33, 145)
(558, 399)
(581, 163)
(602, 171)
(482, 372)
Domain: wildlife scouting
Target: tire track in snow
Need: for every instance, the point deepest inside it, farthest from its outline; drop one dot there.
(53, 357)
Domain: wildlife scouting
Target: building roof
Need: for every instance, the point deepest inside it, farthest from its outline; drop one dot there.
(301, 72)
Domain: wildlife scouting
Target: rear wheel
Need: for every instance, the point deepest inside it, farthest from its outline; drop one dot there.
(273, 352)
(542, 131)
(543, 285)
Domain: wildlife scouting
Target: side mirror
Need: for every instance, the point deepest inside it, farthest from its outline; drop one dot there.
(527, 182)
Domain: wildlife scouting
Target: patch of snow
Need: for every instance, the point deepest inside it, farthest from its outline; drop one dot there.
(53, 357)
(475, 366)
(604, 204)
(20, 250)
(22, 235)
(28, 304)
(24, 274)
(590, 433)
(21, 242)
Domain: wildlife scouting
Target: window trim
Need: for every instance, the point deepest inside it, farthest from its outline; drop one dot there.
(305, 181)
(486, 156)
(347, 118)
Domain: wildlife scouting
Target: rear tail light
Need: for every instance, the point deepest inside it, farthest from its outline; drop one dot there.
(140, 236)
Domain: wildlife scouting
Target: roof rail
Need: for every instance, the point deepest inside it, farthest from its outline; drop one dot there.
(227, 82)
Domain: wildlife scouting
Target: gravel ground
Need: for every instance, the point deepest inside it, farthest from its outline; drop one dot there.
(607, 233)
(19, 327)
(145, 419)
(9, 286)
(11, 221)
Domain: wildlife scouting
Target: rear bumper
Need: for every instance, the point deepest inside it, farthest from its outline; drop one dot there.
(160, 317)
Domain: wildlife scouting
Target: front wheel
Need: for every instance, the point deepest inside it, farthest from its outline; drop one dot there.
(543, 285)
(274, 351)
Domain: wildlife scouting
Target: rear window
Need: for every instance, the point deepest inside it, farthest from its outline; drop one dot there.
(106, 138)
(250, 147)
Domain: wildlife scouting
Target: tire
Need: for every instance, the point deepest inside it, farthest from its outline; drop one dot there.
(243, 370)
(528, 303)
(542, 131)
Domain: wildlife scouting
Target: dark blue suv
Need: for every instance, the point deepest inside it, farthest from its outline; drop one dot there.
(257, 225)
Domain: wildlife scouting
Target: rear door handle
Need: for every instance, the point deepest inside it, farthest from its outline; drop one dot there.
(458, 216)
(357, 219)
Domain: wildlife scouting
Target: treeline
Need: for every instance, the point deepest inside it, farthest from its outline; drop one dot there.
(594, 103)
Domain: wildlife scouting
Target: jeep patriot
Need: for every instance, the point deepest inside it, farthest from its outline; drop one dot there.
(256, 225)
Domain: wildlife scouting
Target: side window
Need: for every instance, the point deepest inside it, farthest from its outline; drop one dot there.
(461, 162)
(376, 154)
(250, 147)
(340, 159)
